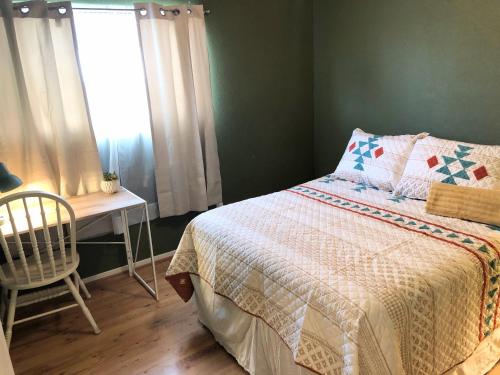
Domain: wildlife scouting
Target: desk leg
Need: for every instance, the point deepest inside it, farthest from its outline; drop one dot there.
(128, 245)
(151, 252)
(152, 291)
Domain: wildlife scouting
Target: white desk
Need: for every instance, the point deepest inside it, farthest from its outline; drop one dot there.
(96, 207)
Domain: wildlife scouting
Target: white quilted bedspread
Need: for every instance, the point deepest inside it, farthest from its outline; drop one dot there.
(352, 279)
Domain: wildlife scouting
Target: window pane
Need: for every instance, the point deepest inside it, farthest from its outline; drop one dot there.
(113, 74)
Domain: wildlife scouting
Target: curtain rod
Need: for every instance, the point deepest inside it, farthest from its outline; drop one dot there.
(175, 12)
(25, 9)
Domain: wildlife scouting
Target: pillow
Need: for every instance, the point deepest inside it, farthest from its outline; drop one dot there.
(450, 162)
(461, 202)
(375, 159)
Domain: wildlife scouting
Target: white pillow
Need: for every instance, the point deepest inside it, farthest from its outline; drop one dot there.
(451, 162)
(375, 159)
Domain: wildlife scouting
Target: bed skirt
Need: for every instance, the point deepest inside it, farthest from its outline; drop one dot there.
(256, 347)
(261, 351)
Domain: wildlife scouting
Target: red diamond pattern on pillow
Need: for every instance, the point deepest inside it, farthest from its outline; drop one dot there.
(376, 160)
(432, 162)
(453, 162)
(480, 173)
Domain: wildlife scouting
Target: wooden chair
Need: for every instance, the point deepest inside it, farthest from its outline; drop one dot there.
(33, 259)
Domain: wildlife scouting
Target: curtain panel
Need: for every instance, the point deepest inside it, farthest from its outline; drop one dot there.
(45, 132)
(175, 57)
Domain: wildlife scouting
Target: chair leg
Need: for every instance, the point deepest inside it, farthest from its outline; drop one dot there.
(3, 302)
(75, 281)
(82, 285)
(10, 316)
(84, 308)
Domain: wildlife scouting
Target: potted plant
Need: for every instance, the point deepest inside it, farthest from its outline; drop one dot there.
(110, 183)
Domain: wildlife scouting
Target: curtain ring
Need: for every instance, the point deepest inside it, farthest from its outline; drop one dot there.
(163, 11)
(24, 9)
(62, 10)
(176, 12)
(143, 12)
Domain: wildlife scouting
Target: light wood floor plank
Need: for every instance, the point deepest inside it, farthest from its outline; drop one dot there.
(139, 336)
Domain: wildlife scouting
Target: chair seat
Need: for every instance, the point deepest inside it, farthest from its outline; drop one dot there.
(36, 280)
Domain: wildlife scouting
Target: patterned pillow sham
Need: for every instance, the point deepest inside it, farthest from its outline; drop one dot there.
(375, 159)
(450, 162)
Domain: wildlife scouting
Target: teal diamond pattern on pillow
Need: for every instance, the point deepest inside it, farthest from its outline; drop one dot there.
(456, 167)
(364, 151)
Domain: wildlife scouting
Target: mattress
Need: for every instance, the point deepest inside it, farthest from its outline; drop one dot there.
(351, 279)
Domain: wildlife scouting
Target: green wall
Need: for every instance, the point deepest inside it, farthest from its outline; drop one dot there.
(261, 66)
(397, 66)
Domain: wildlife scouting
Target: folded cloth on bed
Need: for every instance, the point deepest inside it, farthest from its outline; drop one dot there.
(480, 205)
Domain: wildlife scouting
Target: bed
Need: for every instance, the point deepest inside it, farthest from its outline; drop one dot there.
(336, 277)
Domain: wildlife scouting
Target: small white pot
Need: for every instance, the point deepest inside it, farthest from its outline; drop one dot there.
(110, 187)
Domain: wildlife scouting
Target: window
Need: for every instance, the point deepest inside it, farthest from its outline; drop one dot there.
(112, 69)
(113, 74)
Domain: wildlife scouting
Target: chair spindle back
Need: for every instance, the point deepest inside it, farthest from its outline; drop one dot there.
(33, 239)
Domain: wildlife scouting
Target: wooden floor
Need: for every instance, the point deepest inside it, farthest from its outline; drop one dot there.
(139, 336)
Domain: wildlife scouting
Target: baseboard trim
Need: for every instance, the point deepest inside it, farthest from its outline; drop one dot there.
(116, 271)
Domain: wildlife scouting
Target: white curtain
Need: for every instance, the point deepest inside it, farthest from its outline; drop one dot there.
(45, 133)
(177, 70)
